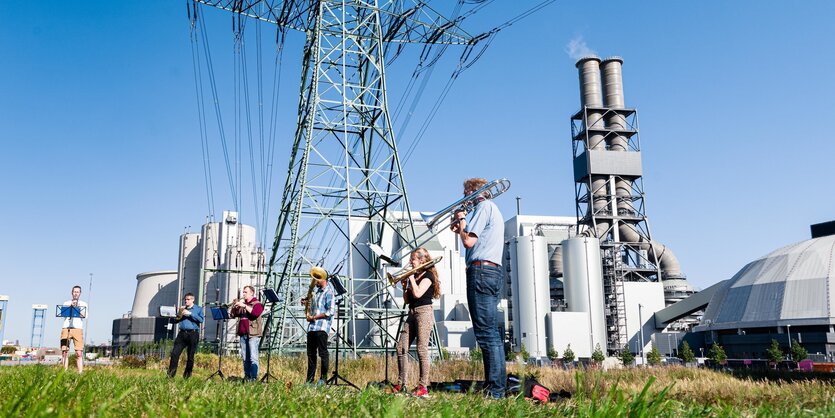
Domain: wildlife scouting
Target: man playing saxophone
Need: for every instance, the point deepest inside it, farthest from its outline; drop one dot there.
(319, 311)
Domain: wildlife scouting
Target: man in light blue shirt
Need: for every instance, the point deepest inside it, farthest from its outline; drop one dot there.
(319, 323)
(483, 237)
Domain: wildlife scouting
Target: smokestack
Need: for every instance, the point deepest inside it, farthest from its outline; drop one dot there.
(613, 99)
(591, 97)
(613, 82)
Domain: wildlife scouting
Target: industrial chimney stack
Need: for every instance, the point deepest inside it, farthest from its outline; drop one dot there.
(609, 190)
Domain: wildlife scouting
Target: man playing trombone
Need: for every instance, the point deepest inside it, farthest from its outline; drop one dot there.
(483, 237)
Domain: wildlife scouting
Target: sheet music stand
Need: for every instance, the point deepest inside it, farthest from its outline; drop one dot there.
(340, 291)
(168, 312)
(271, 297)
(64, 311)
(219, 314)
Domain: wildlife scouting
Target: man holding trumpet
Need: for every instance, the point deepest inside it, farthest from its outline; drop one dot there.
(189, 319)
(483, 237)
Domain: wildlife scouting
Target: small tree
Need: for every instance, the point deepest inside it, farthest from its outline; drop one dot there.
(717, 354)
(798, 352)
(568, 355)
(626, 357)
(553, 354)
(774, 353)
(523, 352)
(685, 353)
(8, 349)
(654, 356)
(597, 356)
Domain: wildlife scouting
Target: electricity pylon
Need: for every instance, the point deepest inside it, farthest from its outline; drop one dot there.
(345, 186)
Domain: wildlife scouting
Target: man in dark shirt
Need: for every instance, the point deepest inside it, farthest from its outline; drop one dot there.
(189, 320)
(250, 325)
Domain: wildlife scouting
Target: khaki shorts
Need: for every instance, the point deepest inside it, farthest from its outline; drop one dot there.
(74, 334)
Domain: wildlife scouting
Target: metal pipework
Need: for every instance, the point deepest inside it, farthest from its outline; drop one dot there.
(667, 261)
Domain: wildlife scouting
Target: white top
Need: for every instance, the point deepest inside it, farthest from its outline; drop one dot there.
(76, 322)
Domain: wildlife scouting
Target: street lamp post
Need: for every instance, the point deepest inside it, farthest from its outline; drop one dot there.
(641, 324)
(669, 346)
(789, 331)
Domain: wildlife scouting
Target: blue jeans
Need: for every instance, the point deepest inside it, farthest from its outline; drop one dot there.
(484, 289)
(249, 352)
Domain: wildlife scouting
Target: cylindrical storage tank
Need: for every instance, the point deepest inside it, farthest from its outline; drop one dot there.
(583, 278)
(188, 267)
(531, 292)
(154, 289)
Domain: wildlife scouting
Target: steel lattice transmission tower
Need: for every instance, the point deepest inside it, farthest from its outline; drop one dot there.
(38, 324)
(345, 186)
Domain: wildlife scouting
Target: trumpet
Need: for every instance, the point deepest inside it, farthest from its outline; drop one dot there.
(400, 275)
(180, 313)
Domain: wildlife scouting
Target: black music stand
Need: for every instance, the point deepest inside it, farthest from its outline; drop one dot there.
(168, 312)
(271, 297)
(340, 291)
(219, 314)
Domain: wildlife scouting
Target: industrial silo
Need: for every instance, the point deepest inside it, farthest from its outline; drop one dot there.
(584, 284)
(530, 292)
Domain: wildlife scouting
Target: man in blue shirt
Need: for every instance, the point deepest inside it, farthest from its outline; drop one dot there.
(319, 323)
(189, 320)
(483, 237)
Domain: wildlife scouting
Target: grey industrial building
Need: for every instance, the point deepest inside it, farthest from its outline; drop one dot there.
(786, 295)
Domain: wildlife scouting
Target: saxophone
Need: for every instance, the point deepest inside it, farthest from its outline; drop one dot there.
(308, 303)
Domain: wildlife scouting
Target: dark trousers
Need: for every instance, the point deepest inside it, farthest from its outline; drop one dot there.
(185, 339)
(317, 341)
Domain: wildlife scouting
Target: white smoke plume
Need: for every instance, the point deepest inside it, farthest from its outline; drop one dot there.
(577, 48)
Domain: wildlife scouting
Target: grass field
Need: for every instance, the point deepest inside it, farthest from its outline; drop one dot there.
(121, 391)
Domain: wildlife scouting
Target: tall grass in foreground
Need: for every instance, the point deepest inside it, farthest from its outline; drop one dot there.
(48, 391)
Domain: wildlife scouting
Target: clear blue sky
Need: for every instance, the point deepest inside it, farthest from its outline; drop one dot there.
(101, 162)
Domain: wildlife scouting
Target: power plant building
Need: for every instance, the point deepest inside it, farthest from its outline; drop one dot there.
(787, 295)
(596, 280)
(214, 265)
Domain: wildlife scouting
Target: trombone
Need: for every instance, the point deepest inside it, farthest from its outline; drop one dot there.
(490, 190)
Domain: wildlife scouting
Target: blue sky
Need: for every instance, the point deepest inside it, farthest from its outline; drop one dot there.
(101, 163)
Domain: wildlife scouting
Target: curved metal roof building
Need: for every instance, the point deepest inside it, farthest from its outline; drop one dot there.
(790, 286)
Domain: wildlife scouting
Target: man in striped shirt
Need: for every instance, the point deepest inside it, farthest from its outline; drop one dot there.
(319, 323)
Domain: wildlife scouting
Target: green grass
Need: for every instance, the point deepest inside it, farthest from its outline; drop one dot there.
(49, 391)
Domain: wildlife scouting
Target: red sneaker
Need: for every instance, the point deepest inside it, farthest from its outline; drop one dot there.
(420, 392)
(395, 389)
